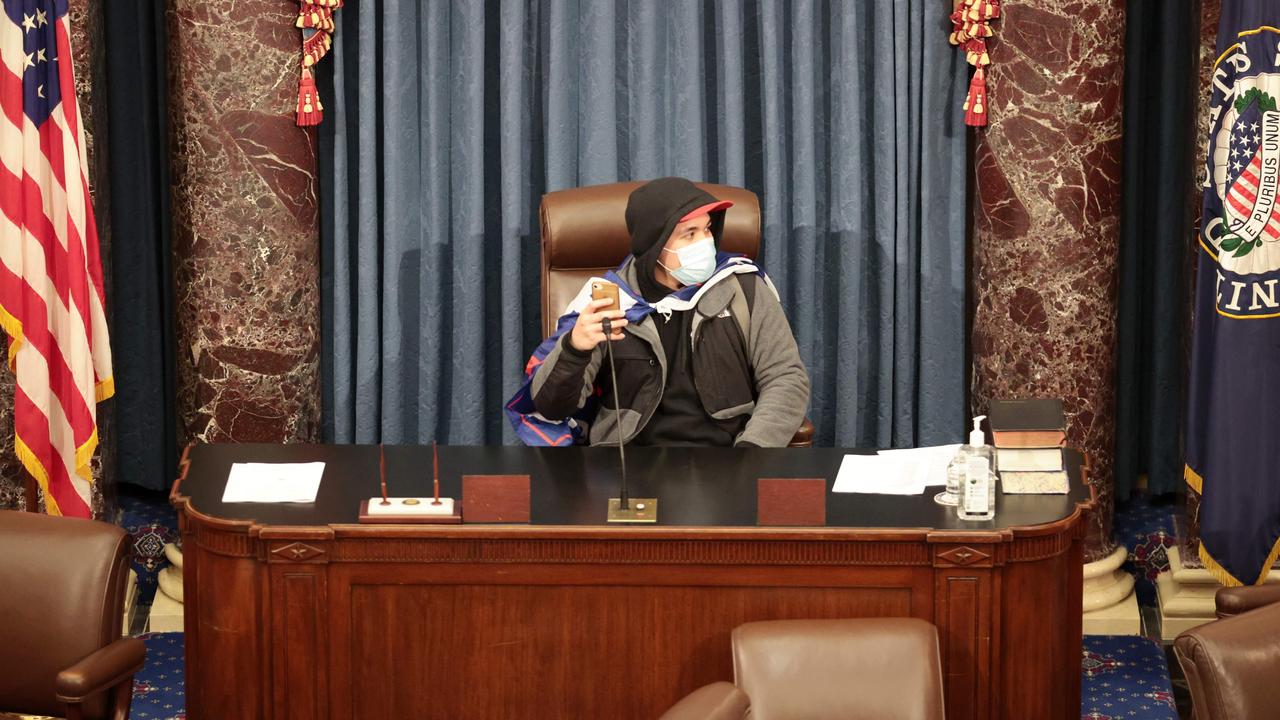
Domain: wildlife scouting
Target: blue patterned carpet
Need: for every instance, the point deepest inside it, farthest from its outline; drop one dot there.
(1123, 677)
(157, 690)
(1146, 528)
(152, 522)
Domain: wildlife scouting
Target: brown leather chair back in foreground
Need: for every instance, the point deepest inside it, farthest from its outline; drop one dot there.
(61, 604)
(1233, 665)
(717, 701)
(584, 234)
(872, 668)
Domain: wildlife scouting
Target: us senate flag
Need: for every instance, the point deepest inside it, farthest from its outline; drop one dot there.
(1233, 449)
(51, 299)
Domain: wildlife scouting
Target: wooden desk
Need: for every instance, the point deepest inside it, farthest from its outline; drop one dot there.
(297, 611)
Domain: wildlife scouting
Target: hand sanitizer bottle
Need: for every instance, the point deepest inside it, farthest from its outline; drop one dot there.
(976, 447)
(978, 489)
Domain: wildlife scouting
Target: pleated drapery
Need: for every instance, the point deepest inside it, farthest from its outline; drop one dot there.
(446, 122)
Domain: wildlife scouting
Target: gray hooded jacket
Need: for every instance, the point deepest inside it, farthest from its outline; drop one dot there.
(746, 367)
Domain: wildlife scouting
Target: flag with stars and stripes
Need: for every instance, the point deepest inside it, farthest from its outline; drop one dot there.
(51, 299)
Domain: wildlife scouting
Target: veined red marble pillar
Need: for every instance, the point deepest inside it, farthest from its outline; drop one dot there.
(245, 229)
(1047, 223)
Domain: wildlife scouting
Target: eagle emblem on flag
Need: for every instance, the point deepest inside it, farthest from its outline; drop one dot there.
(1241, 223)
(1250, 175)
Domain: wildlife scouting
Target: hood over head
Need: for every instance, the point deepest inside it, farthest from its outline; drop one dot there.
(653, 211)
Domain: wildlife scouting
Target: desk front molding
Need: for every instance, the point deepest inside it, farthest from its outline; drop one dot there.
(552, 544)
(338, 621)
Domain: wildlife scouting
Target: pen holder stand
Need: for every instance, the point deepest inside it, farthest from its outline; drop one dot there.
(409, 510)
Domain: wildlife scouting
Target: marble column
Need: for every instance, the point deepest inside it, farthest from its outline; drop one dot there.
(245, 228)
(12, 476)
(1047, 204)
(88, 52)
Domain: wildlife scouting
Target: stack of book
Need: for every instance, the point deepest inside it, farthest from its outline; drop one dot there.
(1028, 436)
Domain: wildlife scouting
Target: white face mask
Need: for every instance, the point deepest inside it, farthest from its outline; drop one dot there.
(697, 262)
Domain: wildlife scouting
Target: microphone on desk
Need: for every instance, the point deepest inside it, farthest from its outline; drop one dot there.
(623, 498)
(620, 508)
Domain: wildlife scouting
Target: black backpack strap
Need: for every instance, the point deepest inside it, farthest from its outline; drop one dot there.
(743, 302)
(748, 281)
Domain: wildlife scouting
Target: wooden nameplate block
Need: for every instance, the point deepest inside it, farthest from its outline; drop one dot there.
(409, 510)
(791, 502)
(495, 498)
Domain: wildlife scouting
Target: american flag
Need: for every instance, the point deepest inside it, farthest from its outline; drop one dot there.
(51, 300)
(1244, 166)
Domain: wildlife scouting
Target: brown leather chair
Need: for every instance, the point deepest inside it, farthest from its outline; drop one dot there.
(872, 668)
(1232, 665)
(584, 233)
(882, 668)
(717, 701)
(61, 603)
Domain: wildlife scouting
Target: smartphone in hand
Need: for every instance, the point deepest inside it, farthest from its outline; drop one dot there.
(602, 289)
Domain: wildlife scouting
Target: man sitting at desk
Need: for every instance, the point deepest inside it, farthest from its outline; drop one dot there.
(703, 351)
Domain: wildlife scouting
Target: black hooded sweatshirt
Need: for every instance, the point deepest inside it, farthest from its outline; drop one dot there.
(653, 211)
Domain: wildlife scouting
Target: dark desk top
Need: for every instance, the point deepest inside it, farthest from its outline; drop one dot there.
(696, 487)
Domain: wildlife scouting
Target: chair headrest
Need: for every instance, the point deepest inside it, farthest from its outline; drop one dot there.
(585, 227)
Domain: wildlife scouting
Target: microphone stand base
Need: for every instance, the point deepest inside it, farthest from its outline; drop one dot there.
(639, 510)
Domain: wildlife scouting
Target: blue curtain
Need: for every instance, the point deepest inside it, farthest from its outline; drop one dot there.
(1162, 46)
(446, 122)
(139, 270)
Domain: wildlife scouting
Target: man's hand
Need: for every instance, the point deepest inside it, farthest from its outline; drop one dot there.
(588, 332)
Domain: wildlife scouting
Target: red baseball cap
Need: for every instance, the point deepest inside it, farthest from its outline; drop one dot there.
(708, 208)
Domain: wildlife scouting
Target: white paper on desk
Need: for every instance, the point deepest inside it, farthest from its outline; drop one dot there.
(895, 472)
(928, 463)
(273, 482)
